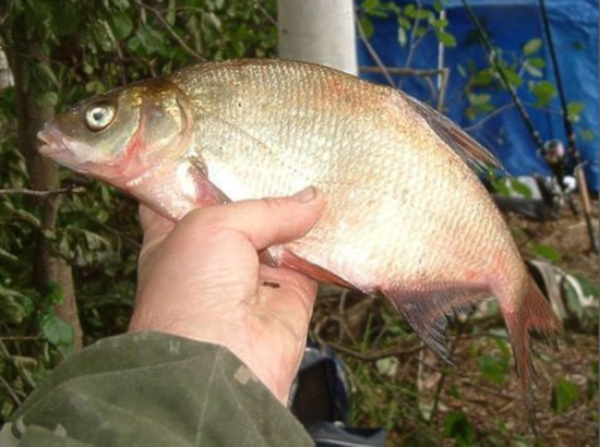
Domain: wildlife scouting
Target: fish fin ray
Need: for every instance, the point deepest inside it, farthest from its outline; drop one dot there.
(473, 153)
(534, 316)
(207, 192)
(428, 311)
(294, 262)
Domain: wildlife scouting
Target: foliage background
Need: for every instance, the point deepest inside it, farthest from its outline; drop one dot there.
(62, 51)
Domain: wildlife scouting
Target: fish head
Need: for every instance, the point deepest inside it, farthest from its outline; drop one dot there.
(118, 136)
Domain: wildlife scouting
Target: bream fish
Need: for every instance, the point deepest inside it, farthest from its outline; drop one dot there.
(405, 215)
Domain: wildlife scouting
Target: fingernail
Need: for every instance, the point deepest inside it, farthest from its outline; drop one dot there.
(306, 195)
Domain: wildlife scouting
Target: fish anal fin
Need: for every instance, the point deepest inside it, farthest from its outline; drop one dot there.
(427, 311)
(294, 262)
(473, 153)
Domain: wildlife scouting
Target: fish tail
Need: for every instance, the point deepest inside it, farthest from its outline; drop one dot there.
(533, 315)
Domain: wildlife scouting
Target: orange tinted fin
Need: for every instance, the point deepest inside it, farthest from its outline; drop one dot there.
(533, 316)
(206, 192)
(290, 260)
(473, 153)
(428, 311)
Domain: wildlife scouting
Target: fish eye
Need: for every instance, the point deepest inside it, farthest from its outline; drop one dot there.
(99, 116)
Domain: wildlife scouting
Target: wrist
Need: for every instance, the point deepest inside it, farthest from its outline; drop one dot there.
(274, 375)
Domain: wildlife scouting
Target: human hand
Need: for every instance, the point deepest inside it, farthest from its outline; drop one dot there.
(202, 279)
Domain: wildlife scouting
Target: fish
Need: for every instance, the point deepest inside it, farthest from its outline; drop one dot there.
(406, 214)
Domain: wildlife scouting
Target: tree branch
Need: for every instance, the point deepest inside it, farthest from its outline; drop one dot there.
(376, 355)
(39, 193)
(373, 53)
(488, 117)
(171, 31)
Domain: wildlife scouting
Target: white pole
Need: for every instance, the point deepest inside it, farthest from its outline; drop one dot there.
(320, 31)
(440, 54)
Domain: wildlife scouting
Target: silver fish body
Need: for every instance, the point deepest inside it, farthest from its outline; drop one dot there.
(405, 213)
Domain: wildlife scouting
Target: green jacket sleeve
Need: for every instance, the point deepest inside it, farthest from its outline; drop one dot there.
(152, 389)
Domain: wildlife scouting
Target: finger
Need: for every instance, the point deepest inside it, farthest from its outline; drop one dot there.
(264, 222)
(154, 223)
(156, 228)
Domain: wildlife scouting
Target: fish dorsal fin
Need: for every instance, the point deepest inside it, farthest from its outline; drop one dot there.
(473, 153)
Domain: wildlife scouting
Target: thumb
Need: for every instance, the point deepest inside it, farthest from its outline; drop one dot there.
(155, 227)
(263, 222)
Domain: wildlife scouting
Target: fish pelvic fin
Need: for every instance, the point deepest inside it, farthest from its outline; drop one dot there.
(473, 153)
(290, 260)
(533, 315)
(428, 311)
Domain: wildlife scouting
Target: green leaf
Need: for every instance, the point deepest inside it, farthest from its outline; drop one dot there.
(367, 26)
(478, 99)
(418, 14)
(8, 255)
(512, 76)
(564, 394)
(420, 31)
(14, 305)
(458, 427)
(520, 188)
(121, 24)
(483, 78)
(532, 46)
(150, 40)
(48, 99)
(545, 251)
(59, 333)
(446, 39)
(440, 23)
(502, 344)
(27, 217)
(171, 14)
(574, 110)
(533, 71)
(494, 368)
(54, 294)
(537, 62)
(45, 68)
(404, 23)
(402, 36)
(544, 91)
(587, 134)
(370, 5)
(66, 17)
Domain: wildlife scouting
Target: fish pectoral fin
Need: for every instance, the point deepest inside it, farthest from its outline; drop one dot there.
(473, 153)
(428, 311)
(290, 260)
(207, 193)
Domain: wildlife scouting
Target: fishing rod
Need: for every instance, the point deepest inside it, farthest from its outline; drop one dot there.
(570, 131)
(491, 54)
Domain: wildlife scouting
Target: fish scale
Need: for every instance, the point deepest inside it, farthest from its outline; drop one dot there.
(405, 214)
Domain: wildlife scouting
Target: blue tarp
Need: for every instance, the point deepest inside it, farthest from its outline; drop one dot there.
(510, 24)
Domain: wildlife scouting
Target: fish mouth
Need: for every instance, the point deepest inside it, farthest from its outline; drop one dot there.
(51, 143)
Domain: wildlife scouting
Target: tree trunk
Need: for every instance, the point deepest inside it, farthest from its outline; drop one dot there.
(320, 31)
(43, 175)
